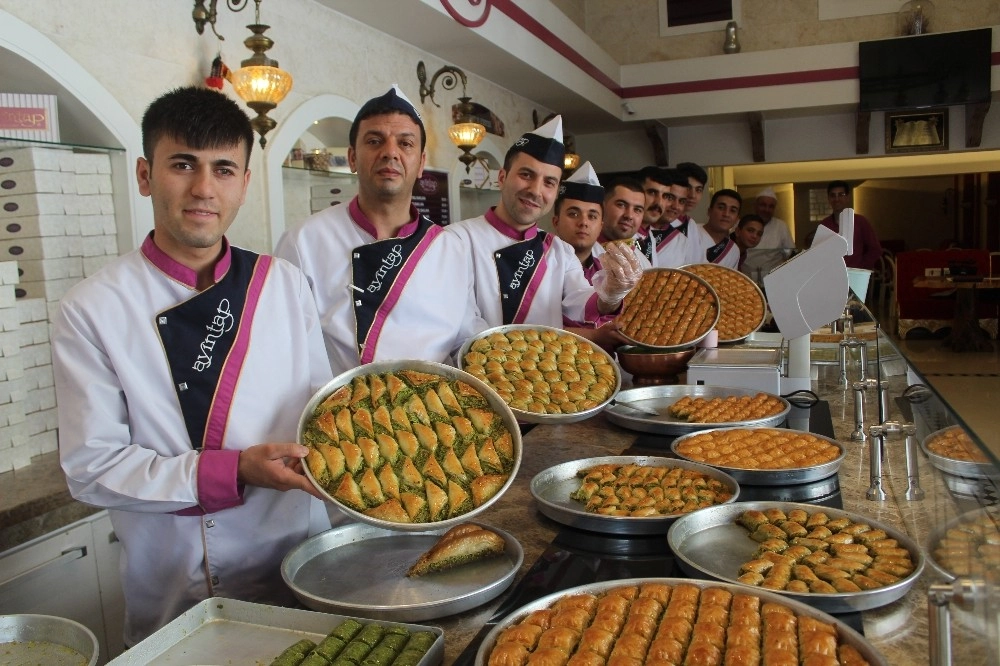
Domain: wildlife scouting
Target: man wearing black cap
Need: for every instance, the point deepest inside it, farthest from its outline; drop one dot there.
(388, 283)
(524, 275)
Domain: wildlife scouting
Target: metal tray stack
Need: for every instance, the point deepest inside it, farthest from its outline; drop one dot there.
(710, 544)
(361, 570)
(551, 489)
(535, 417)
(628, 407)
(227, 631)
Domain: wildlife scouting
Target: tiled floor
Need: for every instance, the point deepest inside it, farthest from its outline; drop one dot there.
(969, 382)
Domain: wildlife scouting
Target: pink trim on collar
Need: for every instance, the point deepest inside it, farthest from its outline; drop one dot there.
(508, 230)
(360, 219)
(177, 271)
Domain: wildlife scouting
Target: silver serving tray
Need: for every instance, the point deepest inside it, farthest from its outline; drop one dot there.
(758, 477)
(845, 633)
(551, 489)
(228, 631)
(760, 295)
(687, 344)
(494, 400)
(940, 531)
(966, 468)
(361, 570)
(26, 640)
(709, 543)
(535, 417)
(660, 398)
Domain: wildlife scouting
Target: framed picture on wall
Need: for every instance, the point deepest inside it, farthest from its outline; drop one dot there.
(910, 132)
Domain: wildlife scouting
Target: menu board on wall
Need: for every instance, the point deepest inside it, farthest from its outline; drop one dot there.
(430, 195)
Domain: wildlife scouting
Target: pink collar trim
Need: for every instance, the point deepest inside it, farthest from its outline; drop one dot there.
(507, 230)
(179, 272)
(360, 219)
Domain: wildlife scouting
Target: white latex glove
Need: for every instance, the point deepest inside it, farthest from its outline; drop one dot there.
(620, 272)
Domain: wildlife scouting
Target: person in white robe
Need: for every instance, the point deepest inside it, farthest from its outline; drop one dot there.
(710, 243)
(181, 370)
(664, 236)
(522, 274)
(388, 282)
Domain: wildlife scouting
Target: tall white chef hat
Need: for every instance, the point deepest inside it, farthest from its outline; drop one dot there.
(583, 185)
(544, 143)
(767, 193)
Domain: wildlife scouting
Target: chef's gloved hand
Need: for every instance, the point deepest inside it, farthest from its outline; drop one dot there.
(620, 272)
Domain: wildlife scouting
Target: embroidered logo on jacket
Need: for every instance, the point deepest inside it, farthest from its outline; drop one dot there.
(222, 323)
(390, 261)
(527, 261)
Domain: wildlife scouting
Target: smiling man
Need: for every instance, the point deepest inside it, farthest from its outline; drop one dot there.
(710, 243)
(663, 235)
(522, 274)
(180, 371)
(389, 283)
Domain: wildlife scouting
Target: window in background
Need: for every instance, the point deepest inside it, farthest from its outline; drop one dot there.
(679, 17)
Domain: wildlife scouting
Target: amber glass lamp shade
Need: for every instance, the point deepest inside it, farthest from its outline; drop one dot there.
(262, 83)
(571, 162)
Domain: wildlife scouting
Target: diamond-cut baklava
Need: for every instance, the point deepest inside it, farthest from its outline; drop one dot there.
(741, 305)
(668, 308)
(956, 444)
(758, 448)
(811, 553)
(726, 409)
(408, 447)
(545, 371)
(657, 623)
(644, 490)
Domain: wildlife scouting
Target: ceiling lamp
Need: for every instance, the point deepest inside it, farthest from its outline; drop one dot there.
(259, 81)
(571, 162)
(466, 133)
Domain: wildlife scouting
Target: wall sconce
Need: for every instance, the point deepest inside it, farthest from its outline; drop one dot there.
(259, 81)
(466, 134)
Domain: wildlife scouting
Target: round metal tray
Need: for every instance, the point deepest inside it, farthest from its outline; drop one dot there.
(710, 543)
(498, 405)
(940, 531)
(660, 398)
(360, 570)
(845, 633)
(551, 489)
(966, 468)
(535, 417)
(46, 639)
(745, 278)
(758, 477)
(687, 343)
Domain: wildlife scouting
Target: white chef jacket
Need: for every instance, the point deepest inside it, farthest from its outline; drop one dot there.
(672, 253)
(124, 446)
(699, 241)
(776, 235)
(562, 290)
(431, 316)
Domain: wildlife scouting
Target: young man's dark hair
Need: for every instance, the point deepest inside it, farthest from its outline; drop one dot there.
(197, 117)
(692, 170)
(834, 184)
(629, 183)
(748, 218)
(386, 104)
(663, 176)
(732, 194)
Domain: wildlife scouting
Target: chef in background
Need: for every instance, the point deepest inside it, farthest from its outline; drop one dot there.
(181, 369)
(522, 274)
(388, 282)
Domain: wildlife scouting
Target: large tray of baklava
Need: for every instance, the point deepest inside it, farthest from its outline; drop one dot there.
(544, 374)
(671, 621)
(758, 456)
(410, 445)
(669, 310)
(628, 494)
(952, 451)
(833, 559)
(742, 307)
(685, 408)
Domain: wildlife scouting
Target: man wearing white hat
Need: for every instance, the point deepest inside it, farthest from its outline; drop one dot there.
(577, 220)
(776, 233)
(522, 274)
(388, 283)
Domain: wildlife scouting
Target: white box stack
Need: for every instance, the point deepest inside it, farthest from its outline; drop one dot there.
(57, 226)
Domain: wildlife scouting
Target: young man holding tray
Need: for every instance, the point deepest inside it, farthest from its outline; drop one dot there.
(181, 370)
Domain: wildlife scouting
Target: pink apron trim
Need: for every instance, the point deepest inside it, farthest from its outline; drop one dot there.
(217, 486)
(395, 292)
(722, 255)
(360, 219)
(178, 272)
(510, 232)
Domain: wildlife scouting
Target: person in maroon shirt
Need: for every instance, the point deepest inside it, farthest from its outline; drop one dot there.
(867, 249)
